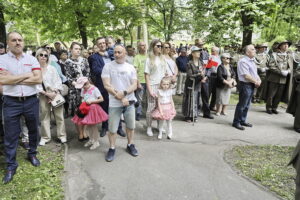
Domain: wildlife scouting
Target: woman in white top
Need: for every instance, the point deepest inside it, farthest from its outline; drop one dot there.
(172, 69)
(52, 85)
(155, 70)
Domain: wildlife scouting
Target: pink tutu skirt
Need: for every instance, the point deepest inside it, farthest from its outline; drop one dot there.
(95, 115)
(167, 110)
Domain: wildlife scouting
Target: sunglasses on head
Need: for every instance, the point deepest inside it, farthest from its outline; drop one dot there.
(158, 46)
(43, 55)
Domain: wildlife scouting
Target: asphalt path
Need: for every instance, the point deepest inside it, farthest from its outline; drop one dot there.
(190, 166)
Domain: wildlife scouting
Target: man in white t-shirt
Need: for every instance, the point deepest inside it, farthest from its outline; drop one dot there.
(120, 81)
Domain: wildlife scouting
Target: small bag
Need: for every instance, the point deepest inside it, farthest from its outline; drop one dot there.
(57, 101)
(65, 90)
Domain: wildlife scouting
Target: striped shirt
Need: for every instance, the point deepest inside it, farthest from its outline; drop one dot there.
(26, 63)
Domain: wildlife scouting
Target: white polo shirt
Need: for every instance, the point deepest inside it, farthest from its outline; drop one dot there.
(26, 63)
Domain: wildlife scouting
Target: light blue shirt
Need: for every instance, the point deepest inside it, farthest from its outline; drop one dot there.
(247, 66)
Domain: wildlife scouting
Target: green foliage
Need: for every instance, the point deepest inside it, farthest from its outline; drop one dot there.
(35, 183)
(266, 164)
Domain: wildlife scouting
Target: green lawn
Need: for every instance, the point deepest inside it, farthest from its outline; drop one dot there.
(44, 182)
(267, 165)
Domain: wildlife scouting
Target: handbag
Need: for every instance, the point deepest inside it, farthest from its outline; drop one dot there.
(65, 90)
(58, 100)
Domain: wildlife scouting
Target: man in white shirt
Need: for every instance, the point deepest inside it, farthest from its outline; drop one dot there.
(120, 81)
(19, 74)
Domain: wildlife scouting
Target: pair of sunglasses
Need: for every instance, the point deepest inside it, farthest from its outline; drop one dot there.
(43, 55)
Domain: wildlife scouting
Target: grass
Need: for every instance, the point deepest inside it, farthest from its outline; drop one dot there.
(267, 165)
(34, 183)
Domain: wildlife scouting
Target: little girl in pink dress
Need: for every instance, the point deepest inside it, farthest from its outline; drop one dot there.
(93, 113)
(165, 109)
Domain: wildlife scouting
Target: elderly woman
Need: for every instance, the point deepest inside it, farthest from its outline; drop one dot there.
(155, 70)
(52, 85)
(195, 74)
(225, 81)
(75, 67)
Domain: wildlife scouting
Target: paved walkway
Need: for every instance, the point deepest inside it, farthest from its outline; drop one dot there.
(190, 166)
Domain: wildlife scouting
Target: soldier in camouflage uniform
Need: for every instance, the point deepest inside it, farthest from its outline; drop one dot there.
(261, 60)
(277, 87)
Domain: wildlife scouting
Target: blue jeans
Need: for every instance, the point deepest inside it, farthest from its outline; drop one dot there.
(246, 91)
(13, 109)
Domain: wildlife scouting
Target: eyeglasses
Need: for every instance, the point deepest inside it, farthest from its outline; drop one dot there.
(166, 47)
(226, 58)
(158, 46)
(44, 55)
(48, 47)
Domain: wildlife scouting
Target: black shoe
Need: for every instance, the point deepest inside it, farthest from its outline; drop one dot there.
(275, 112)
(269, 112)
(8, 176)
(103, 132)
(246, 124)
(138, 117)
(208, 116)
(110, 156)
(132, 150)
(34, 161)
(25, 145)
(121, 133)
(297, 130)
(238, 126)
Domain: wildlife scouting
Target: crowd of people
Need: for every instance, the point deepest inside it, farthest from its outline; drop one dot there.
(109, 84)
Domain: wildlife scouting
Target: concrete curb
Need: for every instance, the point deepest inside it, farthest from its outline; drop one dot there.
(65, 180)
(238, 172)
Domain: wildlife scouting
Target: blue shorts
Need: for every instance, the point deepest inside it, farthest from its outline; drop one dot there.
(115, 116)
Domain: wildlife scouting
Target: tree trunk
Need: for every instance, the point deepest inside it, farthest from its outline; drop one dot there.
(139, 33)
(247, 28)
(82, 28)
(2, 25)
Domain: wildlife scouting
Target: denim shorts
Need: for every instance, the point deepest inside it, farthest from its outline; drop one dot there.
(115, 116)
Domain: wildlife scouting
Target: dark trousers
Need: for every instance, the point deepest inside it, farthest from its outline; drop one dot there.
(205, 98)
(105, 105)
(245, 94)
(297, 113)
(139, 93)
(13, 109)
(1, 122)
(212, 91)
(275, 92)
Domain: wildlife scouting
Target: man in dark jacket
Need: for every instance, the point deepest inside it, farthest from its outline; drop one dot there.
(181, 62)
(295, 161)
(97, 62)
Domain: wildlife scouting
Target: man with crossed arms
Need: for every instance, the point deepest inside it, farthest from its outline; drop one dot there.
(19, 75)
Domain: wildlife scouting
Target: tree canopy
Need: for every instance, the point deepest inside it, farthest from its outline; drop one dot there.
(216, 21)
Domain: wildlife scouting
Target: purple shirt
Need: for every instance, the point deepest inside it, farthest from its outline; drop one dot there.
(247, 65)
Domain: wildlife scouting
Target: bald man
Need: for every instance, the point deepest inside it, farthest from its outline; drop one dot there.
(249, 79)
(120, 81)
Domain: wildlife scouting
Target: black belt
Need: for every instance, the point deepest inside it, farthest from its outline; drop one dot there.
(21, 98)
(247, 83)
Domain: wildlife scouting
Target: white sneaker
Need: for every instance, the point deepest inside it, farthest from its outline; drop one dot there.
(218, 114)
(43, 142)
(223, 113)
(63, 140)
(95, 145)
(159, 135)
(89, 143)
(169, 136)
(149, 132)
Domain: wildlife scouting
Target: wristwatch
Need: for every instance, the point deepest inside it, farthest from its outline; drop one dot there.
(125, 92)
